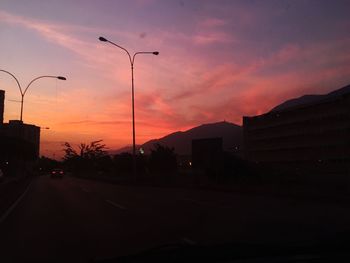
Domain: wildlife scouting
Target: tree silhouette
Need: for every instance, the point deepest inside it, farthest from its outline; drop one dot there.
(92, 151)
(85, 157)
(162, 159)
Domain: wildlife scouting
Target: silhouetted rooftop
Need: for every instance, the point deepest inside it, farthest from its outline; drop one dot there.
(311, 99)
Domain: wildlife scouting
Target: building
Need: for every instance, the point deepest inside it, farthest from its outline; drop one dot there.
(27, 133)
(2, 106)
(306, 135)
(19, 142)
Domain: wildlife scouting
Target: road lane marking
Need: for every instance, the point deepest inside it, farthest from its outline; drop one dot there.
(188, 241)
(12, 207)
(115, 204)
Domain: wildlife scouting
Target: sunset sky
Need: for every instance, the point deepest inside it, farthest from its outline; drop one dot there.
(219, 60)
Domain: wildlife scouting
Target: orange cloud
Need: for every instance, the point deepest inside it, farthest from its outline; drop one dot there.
(185, 86)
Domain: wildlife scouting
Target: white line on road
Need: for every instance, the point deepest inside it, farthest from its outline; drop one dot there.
(188, 241)
(115, 204)
(12, 207)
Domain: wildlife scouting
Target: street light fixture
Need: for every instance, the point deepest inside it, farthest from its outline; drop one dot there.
(30, 83)
(132, 61)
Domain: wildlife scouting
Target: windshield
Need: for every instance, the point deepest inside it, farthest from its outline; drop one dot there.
(148, 126)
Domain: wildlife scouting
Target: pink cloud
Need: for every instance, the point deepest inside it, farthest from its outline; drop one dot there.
(180, 88)
(207, 38)
(66, 36)
(211, 22)
(261, 93)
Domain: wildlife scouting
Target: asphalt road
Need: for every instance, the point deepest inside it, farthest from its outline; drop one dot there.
(74, 220)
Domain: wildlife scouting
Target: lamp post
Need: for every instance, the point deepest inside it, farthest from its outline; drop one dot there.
(132, 62)
(30, 83)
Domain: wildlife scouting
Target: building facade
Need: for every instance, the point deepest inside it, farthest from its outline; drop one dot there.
(16, 134)
(314, 137)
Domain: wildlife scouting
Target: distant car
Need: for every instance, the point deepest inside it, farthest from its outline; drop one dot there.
(57, 173)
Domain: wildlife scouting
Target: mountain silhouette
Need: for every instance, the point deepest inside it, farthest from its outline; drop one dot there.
(182, 141)
(125, 149)
(311, 99)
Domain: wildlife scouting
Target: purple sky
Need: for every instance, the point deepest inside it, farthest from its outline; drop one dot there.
(219, 60)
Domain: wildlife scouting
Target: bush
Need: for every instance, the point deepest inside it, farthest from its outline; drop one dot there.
(162, 159)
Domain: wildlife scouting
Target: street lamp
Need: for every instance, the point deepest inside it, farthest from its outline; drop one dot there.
(30, 83)
(132, 61)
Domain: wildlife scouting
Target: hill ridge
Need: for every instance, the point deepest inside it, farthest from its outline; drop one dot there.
(231, 133)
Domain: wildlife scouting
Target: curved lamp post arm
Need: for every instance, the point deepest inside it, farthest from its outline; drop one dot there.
(144, 52)
(19, 85)
(132, 60)
(127, 52)
(122, 49)
(30, 83)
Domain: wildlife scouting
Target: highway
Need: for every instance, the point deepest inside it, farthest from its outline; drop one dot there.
(75, 220)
